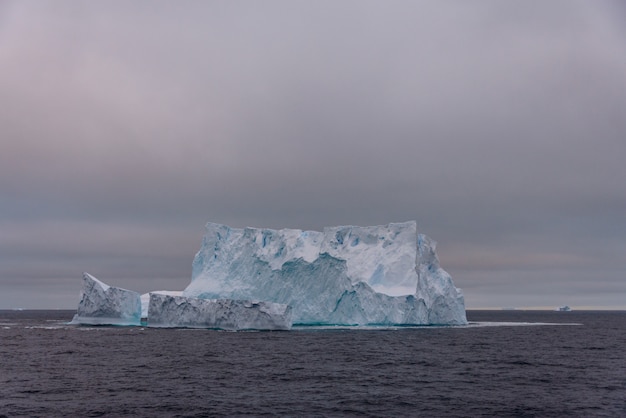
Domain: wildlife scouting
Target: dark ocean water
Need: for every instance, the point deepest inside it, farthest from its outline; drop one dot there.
(50, 369)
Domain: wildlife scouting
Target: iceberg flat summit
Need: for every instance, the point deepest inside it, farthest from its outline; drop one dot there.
(345, 275)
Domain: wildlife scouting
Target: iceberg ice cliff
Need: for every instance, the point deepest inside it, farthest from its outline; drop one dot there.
(145, 299)
(346, 275)
(167, 311)
(101, 304)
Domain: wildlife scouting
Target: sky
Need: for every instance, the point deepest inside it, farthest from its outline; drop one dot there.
(499, 126)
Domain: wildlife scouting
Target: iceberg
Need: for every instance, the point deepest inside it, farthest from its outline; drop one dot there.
(268, 279)
(345, 275)
(166, 311)
(101, 304)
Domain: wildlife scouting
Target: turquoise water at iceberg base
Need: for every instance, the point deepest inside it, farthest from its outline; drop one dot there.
(550, 364)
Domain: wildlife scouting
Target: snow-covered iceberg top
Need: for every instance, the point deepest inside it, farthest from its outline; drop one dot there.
(101, 304)
(348, 275)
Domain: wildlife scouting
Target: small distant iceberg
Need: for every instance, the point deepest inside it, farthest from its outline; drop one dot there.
(563, 308)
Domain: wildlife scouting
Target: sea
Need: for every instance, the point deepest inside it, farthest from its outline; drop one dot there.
(503, 364)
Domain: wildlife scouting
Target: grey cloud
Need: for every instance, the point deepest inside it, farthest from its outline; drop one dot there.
(496, 125)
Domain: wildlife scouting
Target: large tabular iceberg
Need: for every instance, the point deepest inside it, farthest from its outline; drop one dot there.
(101, 304)
(267, 279)
(348, 275)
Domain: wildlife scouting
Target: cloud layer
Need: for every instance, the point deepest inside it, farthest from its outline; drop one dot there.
(498, 126)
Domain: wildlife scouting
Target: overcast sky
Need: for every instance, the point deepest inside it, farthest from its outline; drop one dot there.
(499, 126)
